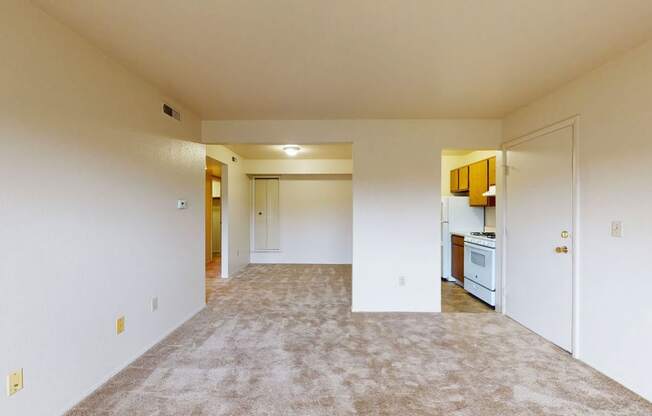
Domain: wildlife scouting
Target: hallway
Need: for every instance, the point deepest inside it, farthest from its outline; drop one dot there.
(213, 275)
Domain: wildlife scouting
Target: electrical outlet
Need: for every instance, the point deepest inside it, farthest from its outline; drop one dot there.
(616, 229)
(401, 280)
(120, 325)
(14, 382)
(154, 304)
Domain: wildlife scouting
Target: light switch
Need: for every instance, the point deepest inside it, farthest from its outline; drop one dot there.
(182, 204)
(616, 229)
(14, 382)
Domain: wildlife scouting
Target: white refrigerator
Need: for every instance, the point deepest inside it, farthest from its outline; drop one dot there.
(457, 216)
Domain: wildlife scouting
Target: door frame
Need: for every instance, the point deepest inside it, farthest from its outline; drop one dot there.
(572, 122)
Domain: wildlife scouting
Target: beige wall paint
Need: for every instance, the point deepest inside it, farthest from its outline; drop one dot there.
(396, 191)
(236, 202)
(615, 151)
(315, 209)
(315, 221)
(79, 131)
(299, 166)
(478, 155)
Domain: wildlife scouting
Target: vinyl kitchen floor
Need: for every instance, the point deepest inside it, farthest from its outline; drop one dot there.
(281, 340)
(213, 272)
(455, 299)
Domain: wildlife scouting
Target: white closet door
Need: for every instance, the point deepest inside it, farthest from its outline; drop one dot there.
(260, 214)
(539, 225)
(272, 215)
(266, 214)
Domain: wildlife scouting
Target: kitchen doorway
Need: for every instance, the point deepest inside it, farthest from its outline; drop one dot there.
(469, 261)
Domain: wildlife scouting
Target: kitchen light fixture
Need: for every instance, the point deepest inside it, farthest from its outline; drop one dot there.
(291, 149)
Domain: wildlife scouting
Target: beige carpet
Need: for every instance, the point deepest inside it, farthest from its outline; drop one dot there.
(281, 340)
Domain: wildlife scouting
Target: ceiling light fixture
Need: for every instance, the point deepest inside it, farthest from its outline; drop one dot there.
(291, 149)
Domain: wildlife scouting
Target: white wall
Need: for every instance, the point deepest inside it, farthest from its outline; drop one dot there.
(615, 155)
(315, 221)
(298, 166)
(90, 172)
(396, 192)
(236, 205)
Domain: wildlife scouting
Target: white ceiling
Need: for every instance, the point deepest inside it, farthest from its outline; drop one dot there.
(308, 151)
(298, 59)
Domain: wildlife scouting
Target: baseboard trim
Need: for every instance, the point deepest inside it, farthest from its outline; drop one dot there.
(115, 371)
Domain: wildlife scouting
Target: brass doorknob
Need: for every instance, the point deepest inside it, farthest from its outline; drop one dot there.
(562, 249)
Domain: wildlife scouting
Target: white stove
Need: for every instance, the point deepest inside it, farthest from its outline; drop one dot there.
(480, 266)
(481, 239)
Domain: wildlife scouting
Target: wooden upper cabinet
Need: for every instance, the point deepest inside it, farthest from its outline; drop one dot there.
(455, 180)
(463, 182)
(478, 183)
(492, 171)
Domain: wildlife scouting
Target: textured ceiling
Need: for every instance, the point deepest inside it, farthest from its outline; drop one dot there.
(297, 59)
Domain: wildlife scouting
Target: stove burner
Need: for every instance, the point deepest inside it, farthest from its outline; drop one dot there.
(488, 235)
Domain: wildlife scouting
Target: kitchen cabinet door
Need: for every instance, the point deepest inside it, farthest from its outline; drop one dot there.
(492, 171)
(455, 180)
(478, 183)
(463, 179)
(457, 262)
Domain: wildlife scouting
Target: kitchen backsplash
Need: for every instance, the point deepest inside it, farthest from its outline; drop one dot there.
(490, 218)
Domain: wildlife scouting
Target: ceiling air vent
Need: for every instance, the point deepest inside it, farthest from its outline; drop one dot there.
(171, 112)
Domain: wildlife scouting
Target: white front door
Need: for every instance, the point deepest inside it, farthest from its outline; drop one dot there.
(539, 210)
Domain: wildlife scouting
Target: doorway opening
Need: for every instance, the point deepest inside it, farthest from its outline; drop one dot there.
(213, 229)
(469, 264)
